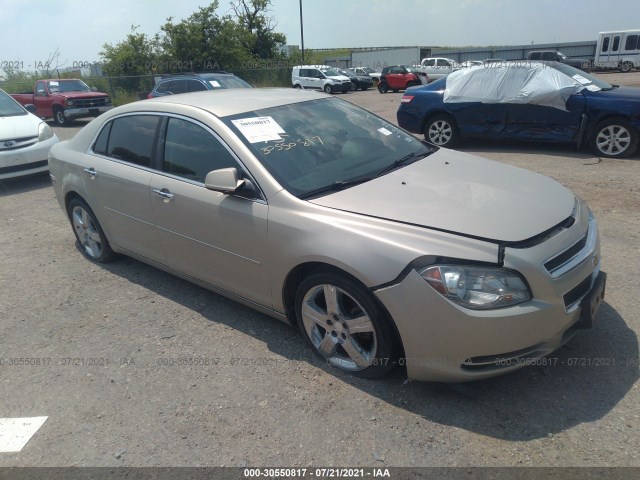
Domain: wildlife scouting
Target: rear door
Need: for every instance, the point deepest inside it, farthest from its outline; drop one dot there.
(217, 238)
(117, 177)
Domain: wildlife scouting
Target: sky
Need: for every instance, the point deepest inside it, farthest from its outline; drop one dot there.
(30, 31)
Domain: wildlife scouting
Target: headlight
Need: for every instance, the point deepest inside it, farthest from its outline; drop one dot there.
(70, 103)
(44, 132)
(478, 288)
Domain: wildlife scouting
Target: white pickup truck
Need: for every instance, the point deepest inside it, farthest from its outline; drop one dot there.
(437, 67)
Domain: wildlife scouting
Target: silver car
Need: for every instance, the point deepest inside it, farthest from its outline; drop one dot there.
(383, 249)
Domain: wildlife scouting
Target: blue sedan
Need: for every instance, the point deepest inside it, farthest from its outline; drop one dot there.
(550, 102)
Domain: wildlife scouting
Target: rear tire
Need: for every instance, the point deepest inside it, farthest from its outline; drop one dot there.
(626, 67)
(442, 130)
(383, 87)
(90, 238)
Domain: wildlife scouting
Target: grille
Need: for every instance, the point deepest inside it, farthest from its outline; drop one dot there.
(23, 167)
(563, 258)
(15, 143)
(92, 102)
(577, 292)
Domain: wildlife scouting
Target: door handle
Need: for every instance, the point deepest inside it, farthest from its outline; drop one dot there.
(91, 172)
(165, 194)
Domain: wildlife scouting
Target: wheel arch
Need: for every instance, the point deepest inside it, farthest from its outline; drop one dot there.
(299, 272)
(435, 113)
(608, 116)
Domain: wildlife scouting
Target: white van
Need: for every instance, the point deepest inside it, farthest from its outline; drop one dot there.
(618, 50)
(320, 77)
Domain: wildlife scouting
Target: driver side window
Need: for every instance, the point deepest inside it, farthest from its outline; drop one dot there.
(191, 152)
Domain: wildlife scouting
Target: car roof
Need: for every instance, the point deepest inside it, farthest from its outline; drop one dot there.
(234, 101)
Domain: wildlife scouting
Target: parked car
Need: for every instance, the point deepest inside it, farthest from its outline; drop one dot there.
(494, 61)
(384, 250)
(549, 102)
(437, 68)
(401, 77)
(25, 139)
(374, 74)
(320, 77)
(362, 82)
(65, 100)
(556, 56)
(196, 82)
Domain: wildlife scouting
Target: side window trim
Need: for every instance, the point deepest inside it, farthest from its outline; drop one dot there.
(243, 170)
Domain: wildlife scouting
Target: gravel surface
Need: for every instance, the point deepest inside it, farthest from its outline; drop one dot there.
(117, 346)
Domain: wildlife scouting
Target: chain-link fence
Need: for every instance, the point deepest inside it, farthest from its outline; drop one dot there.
(126, 89)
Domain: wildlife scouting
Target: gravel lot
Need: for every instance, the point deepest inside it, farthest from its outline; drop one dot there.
(113, 341)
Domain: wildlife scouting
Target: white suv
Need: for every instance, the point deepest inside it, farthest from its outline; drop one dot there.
(438, 67)
(320, 77)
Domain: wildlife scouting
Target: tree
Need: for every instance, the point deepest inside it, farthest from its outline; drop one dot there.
(136, 55)
(204, 41)
(259, 37)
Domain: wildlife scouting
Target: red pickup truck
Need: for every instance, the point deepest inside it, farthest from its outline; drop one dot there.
(65, 100)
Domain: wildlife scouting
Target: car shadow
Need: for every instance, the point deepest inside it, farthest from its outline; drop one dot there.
(581, 382)
(28, 183)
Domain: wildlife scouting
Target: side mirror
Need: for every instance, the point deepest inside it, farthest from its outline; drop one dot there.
(31, 108)
(225, 180)
(94, 89)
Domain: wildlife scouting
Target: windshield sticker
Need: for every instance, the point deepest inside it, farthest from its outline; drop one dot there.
(54, 84)
(593, 88)
(384, 131)
(259, 129)
(214, 84)
(581, 79)
(286, 144)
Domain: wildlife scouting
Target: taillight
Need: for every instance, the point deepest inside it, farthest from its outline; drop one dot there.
(406, 98)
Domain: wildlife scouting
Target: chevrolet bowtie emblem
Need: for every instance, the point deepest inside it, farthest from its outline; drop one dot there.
(9, 144)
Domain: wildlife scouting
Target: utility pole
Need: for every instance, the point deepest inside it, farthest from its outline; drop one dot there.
(301, 32)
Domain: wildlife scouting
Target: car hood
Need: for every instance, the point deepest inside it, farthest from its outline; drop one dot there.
(19, 127)
(620, 93)
(462, 194)
(339, 77)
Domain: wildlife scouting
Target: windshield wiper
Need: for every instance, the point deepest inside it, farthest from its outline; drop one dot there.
(410, 158)
(335, 187)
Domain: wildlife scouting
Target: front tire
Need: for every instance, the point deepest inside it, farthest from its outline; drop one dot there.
(614, 138)
(383, 87)
(442, 130)
(58, 116)
(328, 89)
(345, 325)
(91, 239)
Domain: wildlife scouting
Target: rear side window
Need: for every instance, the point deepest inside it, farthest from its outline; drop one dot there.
(191, 151)
(430, 63)
(616, 44)
(179, 86)
(132, 138)
(164, 87)
(549, 56)
(605, 44)
(101, 143)
(196, 86)
(631, 43)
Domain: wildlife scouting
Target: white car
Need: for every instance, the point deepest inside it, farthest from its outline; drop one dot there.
(367, 71)
(320, 77)
(25, 140)
(437, 68)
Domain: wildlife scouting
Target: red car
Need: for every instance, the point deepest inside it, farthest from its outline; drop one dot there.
(401, 77)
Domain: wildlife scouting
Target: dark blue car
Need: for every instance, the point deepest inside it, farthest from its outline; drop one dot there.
(525, 101)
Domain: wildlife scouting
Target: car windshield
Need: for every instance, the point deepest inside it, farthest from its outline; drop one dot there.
(226, 81)
(9, 107)
(369, 70)
(582, 77)
(330, 72)
(61, 86)
(309, 146)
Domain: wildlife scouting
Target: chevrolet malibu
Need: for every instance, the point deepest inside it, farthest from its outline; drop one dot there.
(382, 249)
(25, 140)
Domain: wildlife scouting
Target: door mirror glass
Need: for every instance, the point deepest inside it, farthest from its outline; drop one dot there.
(225, 180)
